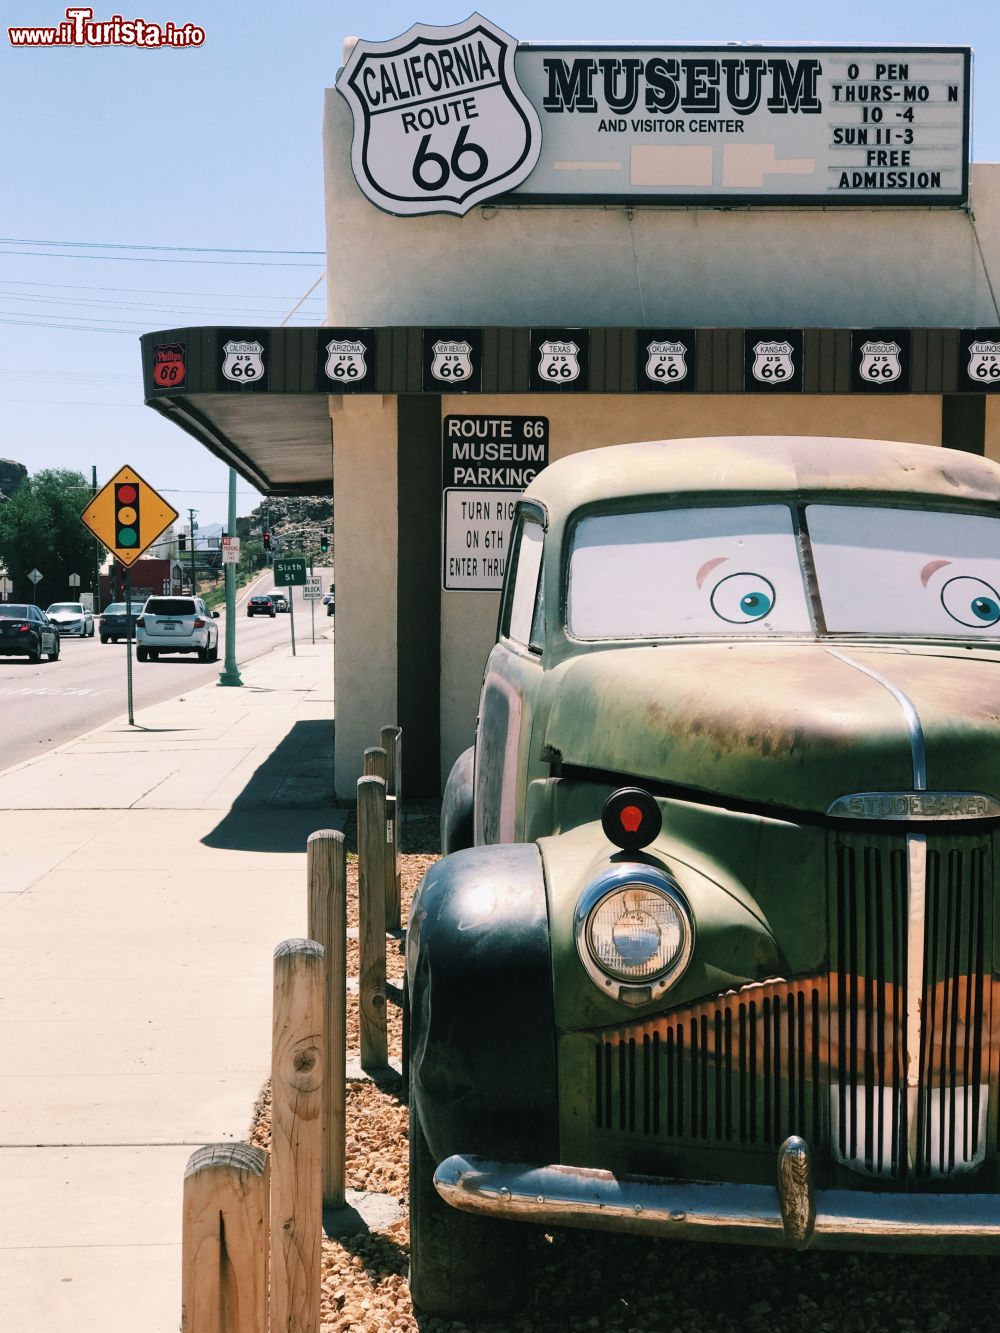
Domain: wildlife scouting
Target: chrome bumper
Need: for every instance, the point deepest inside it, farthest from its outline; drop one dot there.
(787, 1215)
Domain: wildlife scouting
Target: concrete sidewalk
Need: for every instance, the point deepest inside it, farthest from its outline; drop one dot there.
(146, 875)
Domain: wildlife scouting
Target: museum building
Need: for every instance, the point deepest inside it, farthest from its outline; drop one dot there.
(534, 250)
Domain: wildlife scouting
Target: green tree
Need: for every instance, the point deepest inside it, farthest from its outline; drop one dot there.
(40, 529)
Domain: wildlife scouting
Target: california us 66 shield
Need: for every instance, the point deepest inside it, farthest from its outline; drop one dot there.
(440, 122)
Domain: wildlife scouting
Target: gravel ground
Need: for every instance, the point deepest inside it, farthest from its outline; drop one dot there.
(587, 1281)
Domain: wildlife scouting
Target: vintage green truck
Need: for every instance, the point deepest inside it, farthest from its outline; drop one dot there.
(714, 950)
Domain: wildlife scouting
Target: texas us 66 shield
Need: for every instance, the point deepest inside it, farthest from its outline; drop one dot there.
(440, 121)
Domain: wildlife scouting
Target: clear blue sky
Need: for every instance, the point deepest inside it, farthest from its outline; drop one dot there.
(220, 147)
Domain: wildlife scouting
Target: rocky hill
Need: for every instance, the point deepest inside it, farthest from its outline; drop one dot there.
(11, 476)
(297, 522)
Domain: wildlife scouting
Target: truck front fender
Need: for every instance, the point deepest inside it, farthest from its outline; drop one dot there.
(482, 1051)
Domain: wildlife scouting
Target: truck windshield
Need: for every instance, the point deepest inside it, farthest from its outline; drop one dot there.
(737, 571)
(666, 572)
(906, 571)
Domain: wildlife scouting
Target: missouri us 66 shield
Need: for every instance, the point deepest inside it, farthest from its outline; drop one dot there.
(440, 121)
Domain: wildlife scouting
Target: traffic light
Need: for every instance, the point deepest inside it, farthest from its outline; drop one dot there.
(126, 515)
(324, 543)
(182, 541)
(267, 540)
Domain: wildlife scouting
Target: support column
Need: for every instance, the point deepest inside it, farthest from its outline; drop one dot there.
(418, 591)
(963, 422)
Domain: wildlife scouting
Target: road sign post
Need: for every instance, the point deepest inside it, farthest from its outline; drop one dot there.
(127, 516)
(74, 580)
(290, 570)
(312, 592)
(36, 577)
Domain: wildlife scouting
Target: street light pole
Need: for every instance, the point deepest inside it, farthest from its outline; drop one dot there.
(230, 674)
(194, 585)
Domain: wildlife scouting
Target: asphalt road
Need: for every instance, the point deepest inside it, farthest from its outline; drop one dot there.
(48, 704)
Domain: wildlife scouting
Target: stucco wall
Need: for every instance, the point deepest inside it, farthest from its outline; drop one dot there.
(468, 619)
(594, 266)
(364, 517)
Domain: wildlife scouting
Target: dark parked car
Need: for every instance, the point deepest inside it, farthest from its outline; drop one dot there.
(261, 606)
(26, 631)
(115, 621)
(717, 957)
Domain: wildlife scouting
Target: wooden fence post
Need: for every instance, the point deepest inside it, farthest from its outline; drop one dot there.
(296, 1136)
(374, 762)
(371, 923)
(327, 877)
(392, 883)
(225, 1246)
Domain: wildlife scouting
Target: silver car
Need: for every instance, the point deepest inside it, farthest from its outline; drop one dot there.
(72, 618)
(177, 625)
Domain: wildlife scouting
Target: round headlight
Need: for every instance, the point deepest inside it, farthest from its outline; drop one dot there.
(634, 932)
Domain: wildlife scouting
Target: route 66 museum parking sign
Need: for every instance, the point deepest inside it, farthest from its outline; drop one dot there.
(440, 121)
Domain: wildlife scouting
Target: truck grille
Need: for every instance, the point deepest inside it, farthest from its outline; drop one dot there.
(743, 1067)
(825, 1057)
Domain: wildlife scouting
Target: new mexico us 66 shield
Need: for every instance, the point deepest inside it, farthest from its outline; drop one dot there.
(440, 121)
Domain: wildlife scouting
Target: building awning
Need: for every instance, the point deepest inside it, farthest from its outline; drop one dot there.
(258, 397)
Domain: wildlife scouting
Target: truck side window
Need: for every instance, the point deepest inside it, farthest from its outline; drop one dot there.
(524, 596)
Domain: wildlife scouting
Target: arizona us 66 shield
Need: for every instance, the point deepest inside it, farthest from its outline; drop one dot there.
(440, 122)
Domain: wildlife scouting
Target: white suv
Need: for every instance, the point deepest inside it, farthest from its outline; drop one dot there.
(177, 625)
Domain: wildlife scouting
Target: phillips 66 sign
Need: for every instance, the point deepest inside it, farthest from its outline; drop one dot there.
(440, 122)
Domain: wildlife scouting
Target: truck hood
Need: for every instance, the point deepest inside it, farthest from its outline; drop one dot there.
(793, 725)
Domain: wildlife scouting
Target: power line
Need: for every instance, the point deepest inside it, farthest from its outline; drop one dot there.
(146, 291)
(124, 245)
(142, 259)
(36, 298)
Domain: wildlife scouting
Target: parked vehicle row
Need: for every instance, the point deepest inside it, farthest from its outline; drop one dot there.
(156, 625)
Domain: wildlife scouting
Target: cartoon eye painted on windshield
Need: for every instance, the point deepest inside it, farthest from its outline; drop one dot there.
(742, 598)
(971, 601)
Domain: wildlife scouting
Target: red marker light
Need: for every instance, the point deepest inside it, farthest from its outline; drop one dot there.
(126, 494)
(630, 818)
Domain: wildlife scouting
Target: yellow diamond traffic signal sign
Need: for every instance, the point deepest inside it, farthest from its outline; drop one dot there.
(127, 515)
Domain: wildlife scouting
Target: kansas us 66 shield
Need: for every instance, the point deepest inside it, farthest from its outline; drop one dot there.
(440, 122)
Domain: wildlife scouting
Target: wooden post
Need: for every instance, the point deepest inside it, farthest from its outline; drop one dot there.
(392, 882)
(224, 1248)
(374, 762)
(371, 923)
(296, 1136)
(326, 862)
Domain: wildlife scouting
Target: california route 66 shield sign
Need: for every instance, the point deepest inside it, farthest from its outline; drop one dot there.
(450, 361)
(243, 361)
(440, 121)
(345, 362)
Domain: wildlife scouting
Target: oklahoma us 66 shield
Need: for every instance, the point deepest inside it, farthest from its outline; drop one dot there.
(440, 121)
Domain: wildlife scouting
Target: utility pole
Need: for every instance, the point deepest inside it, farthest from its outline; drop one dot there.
(97, 546)
(194, 585)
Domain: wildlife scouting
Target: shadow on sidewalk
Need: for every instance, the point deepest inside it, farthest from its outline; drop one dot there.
(288, 797)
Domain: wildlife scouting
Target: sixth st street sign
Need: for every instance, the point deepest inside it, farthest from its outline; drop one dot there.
(289, 571)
